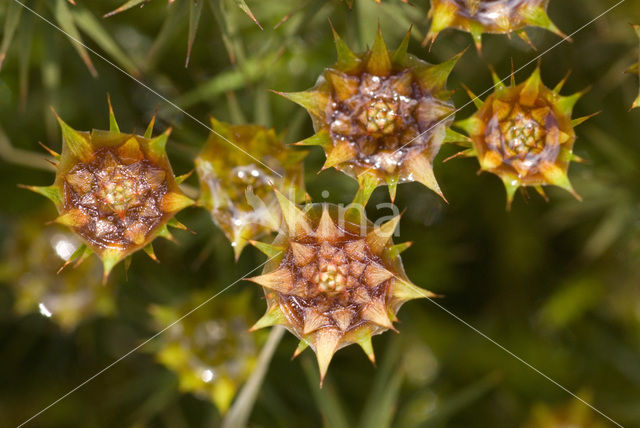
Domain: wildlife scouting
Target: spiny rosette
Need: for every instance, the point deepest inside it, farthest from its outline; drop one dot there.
(524, 134)
(333, 278)
(381, 116)
(117, 191)
(489, 16)
(211, 351)
(238, 167)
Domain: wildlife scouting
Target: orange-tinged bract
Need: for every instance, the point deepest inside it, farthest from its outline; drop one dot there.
(237, 189)
(489, 16)
(333, 278)
(381, 117)
(116, 191)
(524, 134)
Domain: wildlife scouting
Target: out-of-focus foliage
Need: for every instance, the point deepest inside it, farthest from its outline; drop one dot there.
(555, 283)
(31, 259)
(212, 351)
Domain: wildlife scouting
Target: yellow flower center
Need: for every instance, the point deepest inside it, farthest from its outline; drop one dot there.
(118, 189)
(379, 117)
(328, 279)
(523, 135)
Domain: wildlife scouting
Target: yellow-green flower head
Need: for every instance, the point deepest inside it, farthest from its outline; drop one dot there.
(381, 116)
(237, 189)
(572, 414)
(489, 16)
(524, 134)
(211, 350)
(635, 69)
(29, 262)
(116, 191)
(333, 279)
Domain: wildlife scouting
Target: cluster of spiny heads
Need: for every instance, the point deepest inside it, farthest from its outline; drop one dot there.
(333, 277)
(382, 116)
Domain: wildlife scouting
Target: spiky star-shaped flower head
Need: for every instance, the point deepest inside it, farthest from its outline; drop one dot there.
(238, 167)
(333, 278)
(524, 134)
(489, 16)
(117, 191)
(635, 69)
(381, 116)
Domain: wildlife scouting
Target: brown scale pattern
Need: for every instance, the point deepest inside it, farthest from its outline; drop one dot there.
(334, 283)
(117, 200)
(384, 119)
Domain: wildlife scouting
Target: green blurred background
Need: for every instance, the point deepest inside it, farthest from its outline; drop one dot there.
(555, 283)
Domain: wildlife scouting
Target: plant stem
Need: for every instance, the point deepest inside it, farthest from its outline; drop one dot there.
(240, 411)
(23, 157)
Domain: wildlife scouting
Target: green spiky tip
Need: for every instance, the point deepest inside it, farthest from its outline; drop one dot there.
(117, 191)
(238, 168)
(477, 17)
(380, 116)
(524, 134)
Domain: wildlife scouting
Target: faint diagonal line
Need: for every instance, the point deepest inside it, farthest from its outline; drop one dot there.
(144, 343)
(147, 87)
(513, 73)
(556, 383)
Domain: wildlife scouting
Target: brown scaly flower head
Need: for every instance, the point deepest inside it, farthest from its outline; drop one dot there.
(381, 116)
(116, 191)
(524, 134)
(489, 16)
(635, 69)
(333, 278)
(237, 188)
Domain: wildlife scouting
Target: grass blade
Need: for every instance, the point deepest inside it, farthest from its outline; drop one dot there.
(194, 19)
(243, 6)
(65, 20)
(126, 6)
(94, 29)
(10, 25)
(326, 398)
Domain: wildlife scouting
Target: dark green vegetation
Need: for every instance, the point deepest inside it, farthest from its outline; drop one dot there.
(555, 283)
